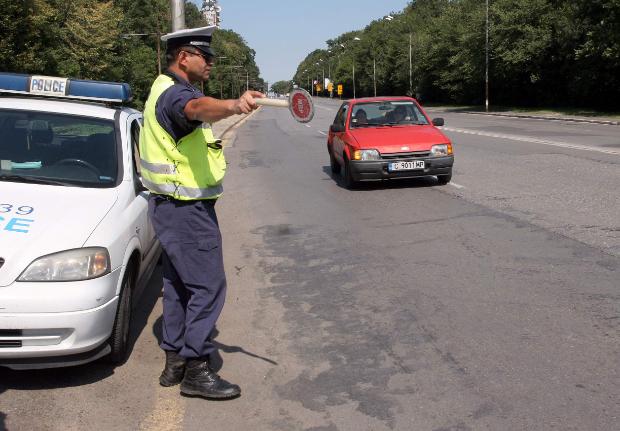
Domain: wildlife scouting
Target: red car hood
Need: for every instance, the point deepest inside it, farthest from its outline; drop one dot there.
(399, 138)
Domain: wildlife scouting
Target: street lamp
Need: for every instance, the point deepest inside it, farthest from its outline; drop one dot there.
(323, 68)
(158, 34)
(230, 68)
(308, 76)
(353, 64)
(390, 18)
(221, 57)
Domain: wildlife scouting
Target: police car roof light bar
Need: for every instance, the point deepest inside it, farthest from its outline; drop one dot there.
(79, 89)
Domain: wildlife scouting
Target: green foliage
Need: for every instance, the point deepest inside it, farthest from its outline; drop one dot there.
(111, 40)
(235, 68)
(541, 52)
(282, 87)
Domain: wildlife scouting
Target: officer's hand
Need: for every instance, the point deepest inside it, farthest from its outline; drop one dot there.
(246, 104)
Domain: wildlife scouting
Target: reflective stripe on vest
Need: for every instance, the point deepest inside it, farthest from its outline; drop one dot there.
(158, 168)
(175, 190)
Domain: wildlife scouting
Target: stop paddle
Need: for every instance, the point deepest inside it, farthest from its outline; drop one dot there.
(299, 104)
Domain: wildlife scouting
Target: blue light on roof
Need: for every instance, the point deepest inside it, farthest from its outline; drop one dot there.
(48, 86)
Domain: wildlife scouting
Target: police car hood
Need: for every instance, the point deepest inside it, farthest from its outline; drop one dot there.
(36, 220)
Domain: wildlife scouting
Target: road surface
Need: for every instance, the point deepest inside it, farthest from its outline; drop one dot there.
(491, 303)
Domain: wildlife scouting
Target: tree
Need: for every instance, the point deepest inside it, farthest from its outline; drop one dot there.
(282, 87)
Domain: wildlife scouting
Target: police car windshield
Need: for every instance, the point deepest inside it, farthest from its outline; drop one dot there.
(57, 148)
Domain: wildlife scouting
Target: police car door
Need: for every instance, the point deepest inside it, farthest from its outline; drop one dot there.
(144, 230)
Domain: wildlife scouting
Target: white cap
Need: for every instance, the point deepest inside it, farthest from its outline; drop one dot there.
(199, 38)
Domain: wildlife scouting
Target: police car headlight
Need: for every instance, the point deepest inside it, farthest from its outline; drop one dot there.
(70, 265)
(441, 150)
(366, 155)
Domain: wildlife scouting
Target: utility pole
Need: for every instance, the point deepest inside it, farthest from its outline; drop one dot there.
(410, 78)
(374, 75)
(178, 14)
(354, 78)
(486, 67)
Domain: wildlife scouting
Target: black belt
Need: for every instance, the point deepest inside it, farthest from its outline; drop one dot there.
(171, 199)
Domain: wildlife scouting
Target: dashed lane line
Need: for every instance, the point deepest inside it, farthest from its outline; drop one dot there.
(322, 133)
(535, 141)
(458, 186)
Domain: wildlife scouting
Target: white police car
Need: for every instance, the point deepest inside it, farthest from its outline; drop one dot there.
(76, 245)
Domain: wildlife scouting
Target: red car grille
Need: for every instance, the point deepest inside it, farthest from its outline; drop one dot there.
(411, 155)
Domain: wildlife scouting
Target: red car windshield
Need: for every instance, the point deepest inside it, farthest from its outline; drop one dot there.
(386, 113)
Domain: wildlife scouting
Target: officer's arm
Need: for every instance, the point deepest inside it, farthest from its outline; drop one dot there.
(210, 109)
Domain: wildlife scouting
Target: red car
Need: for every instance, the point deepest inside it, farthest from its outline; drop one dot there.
(380, 138)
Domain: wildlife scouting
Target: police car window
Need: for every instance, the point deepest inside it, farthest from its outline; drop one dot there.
(135, 145)
(69, 149)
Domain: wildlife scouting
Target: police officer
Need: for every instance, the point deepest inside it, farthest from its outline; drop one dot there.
(183, 166)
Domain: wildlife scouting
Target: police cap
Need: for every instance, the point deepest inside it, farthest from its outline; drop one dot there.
(199, 38)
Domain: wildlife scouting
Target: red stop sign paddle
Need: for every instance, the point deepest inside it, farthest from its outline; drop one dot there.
(299, 104)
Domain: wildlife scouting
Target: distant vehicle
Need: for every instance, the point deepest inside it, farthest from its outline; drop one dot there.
(381, 138)
(76, 244)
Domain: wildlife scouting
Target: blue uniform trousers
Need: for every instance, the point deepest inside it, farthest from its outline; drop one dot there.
(193, 267)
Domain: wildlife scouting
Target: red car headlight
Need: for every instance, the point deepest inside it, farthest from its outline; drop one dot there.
(441, 150)
(366, 155)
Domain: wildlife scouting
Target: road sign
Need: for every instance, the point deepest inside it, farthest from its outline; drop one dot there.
(299, 104)
(339, 89)
(330, 87)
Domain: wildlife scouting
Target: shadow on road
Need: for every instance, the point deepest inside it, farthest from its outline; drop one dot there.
(2, 417)
(405, 183)
(33, 380)
(215, 359)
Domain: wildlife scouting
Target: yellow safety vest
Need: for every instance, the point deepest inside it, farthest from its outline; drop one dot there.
(192, 168)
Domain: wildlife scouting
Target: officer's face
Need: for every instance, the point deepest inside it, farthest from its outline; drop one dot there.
(197, 65)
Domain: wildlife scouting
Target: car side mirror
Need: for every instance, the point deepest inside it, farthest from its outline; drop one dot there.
(336, 128)
(438, 122)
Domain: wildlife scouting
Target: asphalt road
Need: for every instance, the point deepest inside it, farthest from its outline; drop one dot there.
(491, 303)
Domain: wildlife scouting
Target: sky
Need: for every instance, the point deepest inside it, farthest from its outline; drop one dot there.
(283, 32)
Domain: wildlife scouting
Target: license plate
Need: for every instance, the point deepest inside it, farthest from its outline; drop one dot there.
(406, 166)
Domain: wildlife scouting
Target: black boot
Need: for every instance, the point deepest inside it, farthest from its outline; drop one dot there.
(201, 380)
(174, 370)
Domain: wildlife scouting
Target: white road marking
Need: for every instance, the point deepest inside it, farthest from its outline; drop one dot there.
(308, 125)
(535, 141)
(458, 186)
(322, 133)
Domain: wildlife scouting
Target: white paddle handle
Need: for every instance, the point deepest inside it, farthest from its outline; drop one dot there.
(272, 102)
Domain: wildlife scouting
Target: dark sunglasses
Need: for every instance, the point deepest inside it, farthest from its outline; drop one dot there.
(206, 57)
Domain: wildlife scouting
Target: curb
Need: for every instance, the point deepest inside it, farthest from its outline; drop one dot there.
(543, 117)
(236, 123)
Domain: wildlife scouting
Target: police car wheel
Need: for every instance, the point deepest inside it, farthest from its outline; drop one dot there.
(119, 339)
